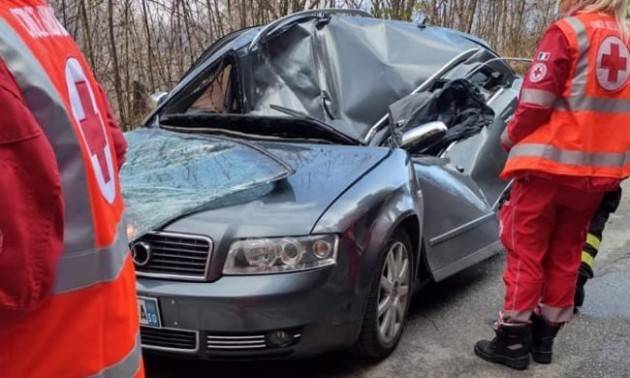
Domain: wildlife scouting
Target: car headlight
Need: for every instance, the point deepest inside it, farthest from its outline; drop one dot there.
(279, 255)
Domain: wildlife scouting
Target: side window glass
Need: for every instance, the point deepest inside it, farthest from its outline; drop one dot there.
(216, 90)
(216, 97)
(489, 81)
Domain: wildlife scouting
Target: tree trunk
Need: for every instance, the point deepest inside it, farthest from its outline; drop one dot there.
(149, 40)
(116, 66)
(87, 33)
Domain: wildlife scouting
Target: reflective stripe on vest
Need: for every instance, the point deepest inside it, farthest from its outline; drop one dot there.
(572, 141)
(579, 100)
(594, 104)
(93, 312)
(542, 98)
(49, 111)
(581, 158)
(127, 367)
(79, 270)
(81, 264)
(578, 88)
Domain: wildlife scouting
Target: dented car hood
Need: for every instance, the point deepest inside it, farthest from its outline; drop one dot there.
(290, 206)
(179, 182)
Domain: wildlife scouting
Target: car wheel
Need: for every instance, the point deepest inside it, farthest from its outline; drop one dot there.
(386, 313)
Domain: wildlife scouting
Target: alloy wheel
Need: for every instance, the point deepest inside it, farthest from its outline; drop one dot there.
(393, 293)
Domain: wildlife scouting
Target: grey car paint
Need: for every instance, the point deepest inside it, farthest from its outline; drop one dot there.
(461, 189)
(326, 304)
(293, 206)
(373, 208)
(446, 203)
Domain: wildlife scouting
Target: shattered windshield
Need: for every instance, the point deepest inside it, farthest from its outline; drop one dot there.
(168, 175)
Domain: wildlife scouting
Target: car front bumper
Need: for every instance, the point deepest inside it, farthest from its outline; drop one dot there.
(234, 316)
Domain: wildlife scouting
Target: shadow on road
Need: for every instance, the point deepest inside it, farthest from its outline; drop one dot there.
(434, 298)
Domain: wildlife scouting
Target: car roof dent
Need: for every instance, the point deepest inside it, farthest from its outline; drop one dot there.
(344, 72)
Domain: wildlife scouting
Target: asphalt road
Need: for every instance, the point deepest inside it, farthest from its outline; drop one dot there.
(446, 319)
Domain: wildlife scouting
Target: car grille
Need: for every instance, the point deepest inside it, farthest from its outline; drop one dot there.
(169, 339)
(173, 255)
(242, 343)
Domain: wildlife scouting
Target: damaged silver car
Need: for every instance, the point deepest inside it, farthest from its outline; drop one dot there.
(306, 178)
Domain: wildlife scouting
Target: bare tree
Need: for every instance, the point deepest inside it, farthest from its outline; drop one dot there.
(116, 68)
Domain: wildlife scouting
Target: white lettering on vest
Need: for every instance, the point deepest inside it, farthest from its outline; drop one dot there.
(40, 21)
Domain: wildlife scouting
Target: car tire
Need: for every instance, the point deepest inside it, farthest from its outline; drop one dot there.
(380, 333)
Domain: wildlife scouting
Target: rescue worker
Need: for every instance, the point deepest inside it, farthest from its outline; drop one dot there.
(569, 143)
(609, 205)
(68, 304)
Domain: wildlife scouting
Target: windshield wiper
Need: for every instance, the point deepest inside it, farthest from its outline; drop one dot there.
(314, 121)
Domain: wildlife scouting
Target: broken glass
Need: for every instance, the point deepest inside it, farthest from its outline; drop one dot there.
(168, 175)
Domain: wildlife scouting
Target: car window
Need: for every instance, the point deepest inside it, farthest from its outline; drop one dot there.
(492, 77)
(489, 81)
(217, 90)
(213, 98)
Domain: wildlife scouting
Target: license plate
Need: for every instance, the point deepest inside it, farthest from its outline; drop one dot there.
(149, 312)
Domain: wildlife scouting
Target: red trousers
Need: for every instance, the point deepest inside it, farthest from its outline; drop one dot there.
(543, 227)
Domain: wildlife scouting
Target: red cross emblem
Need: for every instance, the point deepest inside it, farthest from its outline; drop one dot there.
(613, 64)
(92, 128)
(538, 72)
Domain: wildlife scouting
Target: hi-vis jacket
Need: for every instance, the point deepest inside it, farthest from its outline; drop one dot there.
(588, 132)
(86, 323)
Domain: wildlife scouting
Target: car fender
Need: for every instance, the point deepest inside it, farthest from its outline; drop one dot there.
(368, 213)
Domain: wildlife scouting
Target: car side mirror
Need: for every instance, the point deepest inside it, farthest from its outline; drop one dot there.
(426, 134)
(157, 98)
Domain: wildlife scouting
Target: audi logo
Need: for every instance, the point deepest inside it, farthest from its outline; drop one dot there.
(141, 253)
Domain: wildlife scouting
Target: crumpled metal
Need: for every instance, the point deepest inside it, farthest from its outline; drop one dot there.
(348, 70)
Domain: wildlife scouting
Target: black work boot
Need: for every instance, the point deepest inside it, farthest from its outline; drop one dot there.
(543, 334)
(579, 291)
(510, 347)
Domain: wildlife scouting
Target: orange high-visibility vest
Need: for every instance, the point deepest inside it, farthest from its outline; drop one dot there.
(89, 326)
(588, 133)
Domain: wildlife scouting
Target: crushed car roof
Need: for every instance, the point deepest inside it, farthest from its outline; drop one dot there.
(342, 69)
